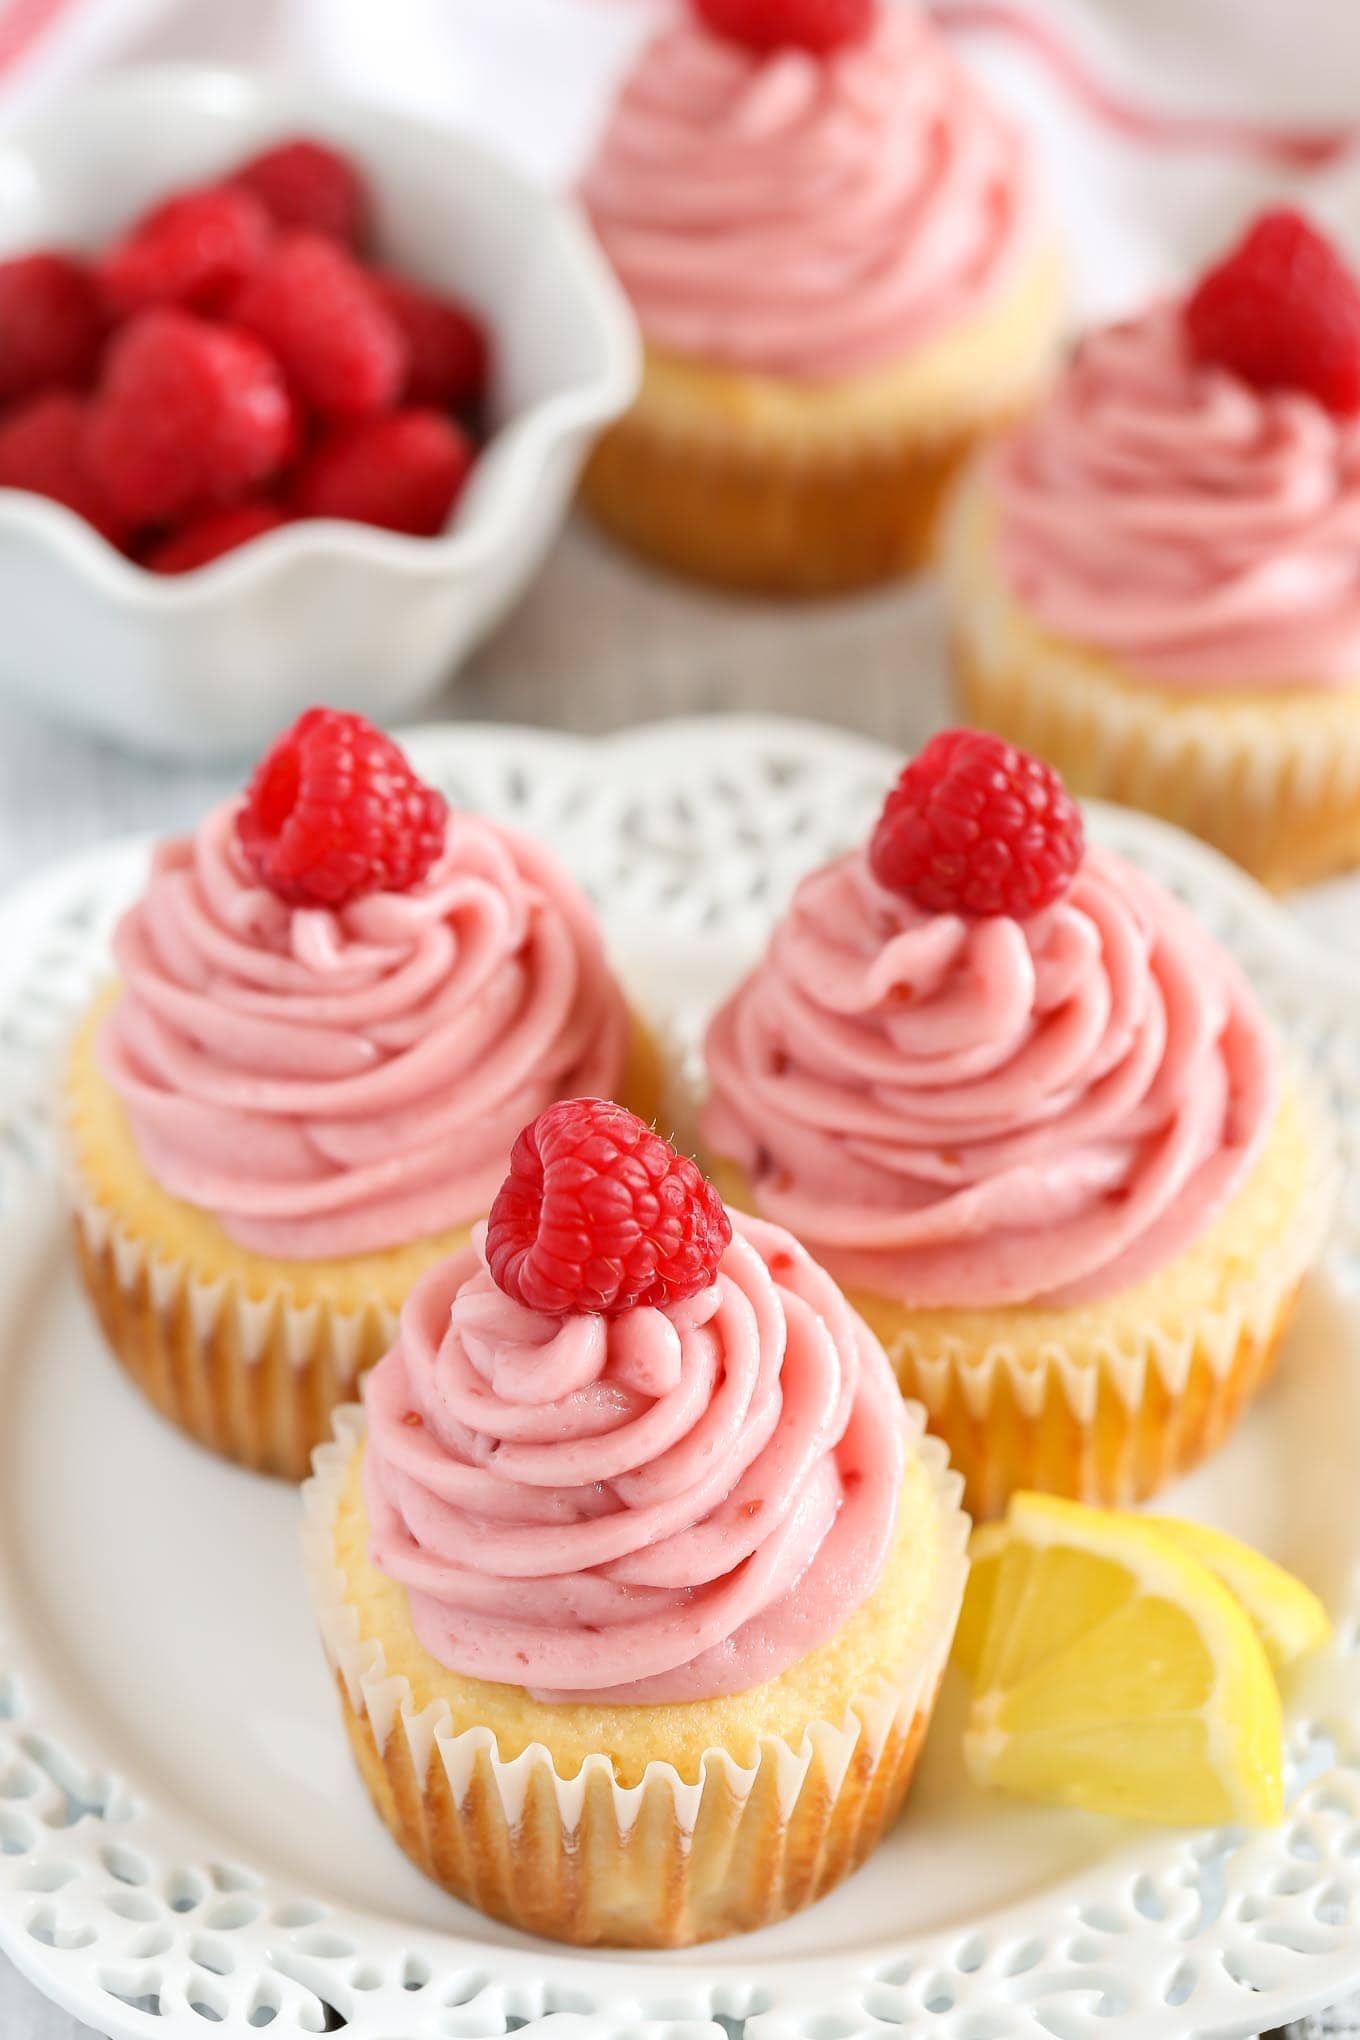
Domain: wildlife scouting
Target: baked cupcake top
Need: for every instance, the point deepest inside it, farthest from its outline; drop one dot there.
(340, 1001)
(807, 212)
(981, 1064)
(1188, 497)
(626, 1447)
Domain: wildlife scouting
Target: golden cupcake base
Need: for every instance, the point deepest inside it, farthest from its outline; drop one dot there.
(753, 520)
(639, 1826)
(247, 1355)
(1107, 1402)
(654, 1882)
(1269, 777)
(778, 486)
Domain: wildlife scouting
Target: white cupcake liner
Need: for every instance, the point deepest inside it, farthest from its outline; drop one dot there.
(1272, 779)
(827, 1798)
(1112, 1419)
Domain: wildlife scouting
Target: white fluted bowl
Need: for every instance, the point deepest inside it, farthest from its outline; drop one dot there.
(217, 661)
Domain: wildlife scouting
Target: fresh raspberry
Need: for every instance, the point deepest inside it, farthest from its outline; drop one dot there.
(316, 309)
(188, 415)
(1283, 312)
(764, 25)
(209, 536)
(304, 185)
(193, 250)
(403, 472)
(449, 357)
(51, 325)
(974, 826)
(334, 812)
(598, 1213)
(44, 446)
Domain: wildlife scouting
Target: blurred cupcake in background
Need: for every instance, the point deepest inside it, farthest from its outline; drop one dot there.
(1155, 582)
(844, 277)
(1031, 1115)
(336, 1001)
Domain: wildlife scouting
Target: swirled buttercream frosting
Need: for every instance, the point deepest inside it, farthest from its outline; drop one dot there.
(670, 1504)
(1205, 533)
(963, 1113)
(331, 1082)
(802, 215)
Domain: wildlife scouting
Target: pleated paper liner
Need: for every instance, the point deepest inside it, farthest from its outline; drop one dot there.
(665, 1862)
(1111, 1416)
(790, 487)
(248, 1356)
(253, 1377)
(1271, 779)
(750, 518)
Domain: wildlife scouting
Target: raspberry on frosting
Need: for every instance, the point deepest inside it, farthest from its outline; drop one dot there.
(976, 826)
(1282, 311)
(334, 811)
(599, 1213)
(819, 26)
(666, 1505)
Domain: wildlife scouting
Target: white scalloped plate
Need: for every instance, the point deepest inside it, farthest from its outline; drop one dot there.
(183, 1843)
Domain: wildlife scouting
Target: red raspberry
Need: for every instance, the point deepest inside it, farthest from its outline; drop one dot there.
(194, 250)
(446, 345)
(334, 811)
(598, 1213)
(1283, 312)
(303, 184)
(44, 446)
(209, 536)
(188, 415)
(315, 308)
(974, 826)
(403, 472)
(51, 325)
(764, 25)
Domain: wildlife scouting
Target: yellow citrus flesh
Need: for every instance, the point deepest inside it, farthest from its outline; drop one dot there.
(1117, 1674)
(1287, 1616)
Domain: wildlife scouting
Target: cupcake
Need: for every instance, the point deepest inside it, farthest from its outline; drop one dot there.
(336, 1003)
(1155, 582)
(1030, 1115)
(837, 255)
(637, 1580)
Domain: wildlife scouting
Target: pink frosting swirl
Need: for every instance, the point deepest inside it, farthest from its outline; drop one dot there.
(336, 1082)
(964, 1113)
(802, 215)
(1206, 533)
(665, 1505)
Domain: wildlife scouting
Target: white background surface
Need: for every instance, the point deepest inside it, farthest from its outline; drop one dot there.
(600, 644)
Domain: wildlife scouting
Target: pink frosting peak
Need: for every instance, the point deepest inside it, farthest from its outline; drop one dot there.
(1204, 532)
(667, 1505)
(971, 1113)
(802, 215)
(334, 1082)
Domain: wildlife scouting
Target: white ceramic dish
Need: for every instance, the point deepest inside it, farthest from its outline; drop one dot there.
(184, 1845)
(217, 661)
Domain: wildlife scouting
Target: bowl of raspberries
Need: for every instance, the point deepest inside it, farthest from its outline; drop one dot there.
(293, 398)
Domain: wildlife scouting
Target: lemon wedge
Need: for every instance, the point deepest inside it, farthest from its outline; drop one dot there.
(1116, 1673)
(1287, 1616)
(985, 1547)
